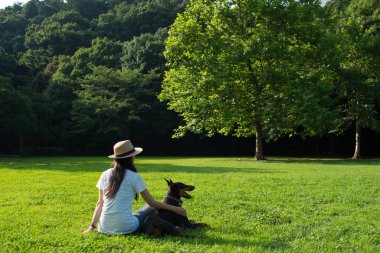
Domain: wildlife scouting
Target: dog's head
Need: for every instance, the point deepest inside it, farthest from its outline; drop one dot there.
(179, 189)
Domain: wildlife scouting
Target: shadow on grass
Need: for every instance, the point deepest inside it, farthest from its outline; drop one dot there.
(270, 244)
(145, 168)
(69, 164)
(99, 164)
(209, 241)
(164, 168)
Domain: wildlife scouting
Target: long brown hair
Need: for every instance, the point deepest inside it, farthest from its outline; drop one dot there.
(119, 166)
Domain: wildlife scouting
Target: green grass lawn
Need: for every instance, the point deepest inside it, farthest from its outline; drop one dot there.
(293, 205)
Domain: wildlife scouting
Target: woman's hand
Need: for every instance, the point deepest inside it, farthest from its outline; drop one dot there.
(159, 205)
(181, 211)
(89, 230)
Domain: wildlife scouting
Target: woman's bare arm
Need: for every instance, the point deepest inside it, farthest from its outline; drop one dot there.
(145, 194)
(97, 213)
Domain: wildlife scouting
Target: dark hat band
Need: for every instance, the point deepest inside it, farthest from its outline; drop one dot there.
(126, 153)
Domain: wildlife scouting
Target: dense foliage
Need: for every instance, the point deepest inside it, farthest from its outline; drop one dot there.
(81, 74)
(238, 67)
(77, 75)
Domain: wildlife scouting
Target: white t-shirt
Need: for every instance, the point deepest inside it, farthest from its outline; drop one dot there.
(117, 217)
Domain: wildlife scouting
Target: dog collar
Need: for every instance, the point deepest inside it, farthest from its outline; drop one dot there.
(175, 199)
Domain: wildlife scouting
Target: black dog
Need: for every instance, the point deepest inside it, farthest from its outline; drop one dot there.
(162, 222)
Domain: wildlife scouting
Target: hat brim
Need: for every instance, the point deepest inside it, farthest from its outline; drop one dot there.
(137, 151)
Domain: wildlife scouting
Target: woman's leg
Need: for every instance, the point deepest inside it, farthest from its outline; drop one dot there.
(141, 214)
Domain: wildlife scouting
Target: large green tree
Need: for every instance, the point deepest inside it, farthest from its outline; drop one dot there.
(358, 85)
(250, 68)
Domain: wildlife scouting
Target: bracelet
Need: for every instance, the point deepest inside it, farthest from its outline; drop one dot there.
(92, 225)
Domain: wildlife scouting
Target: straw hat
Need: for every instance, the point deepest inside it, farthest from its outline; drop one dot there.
(124, 149)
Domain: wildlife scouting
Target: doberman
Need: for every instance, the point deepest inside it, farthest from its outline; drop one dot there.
(162, 222)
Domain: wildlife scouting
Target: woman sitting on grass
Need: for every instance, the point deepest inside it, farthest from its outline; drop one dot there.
(118, 186)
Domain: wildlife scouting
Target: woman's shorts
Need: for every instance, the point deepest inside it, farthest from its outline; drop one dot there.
(141, 214)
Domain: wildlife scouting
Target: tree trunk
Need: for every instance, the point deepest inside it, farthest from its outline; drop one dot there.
(358, 134)
(259, 144)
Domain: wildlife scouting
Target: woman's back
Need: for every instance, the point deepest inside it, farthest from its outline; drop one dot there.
(117, 217)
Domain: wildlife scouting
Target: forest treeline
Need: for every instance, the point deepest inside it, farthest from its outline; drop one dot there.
(78, 75)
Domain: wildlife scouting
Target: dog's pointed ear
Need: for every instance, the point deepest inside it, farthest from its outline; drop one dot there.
(170, 182)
